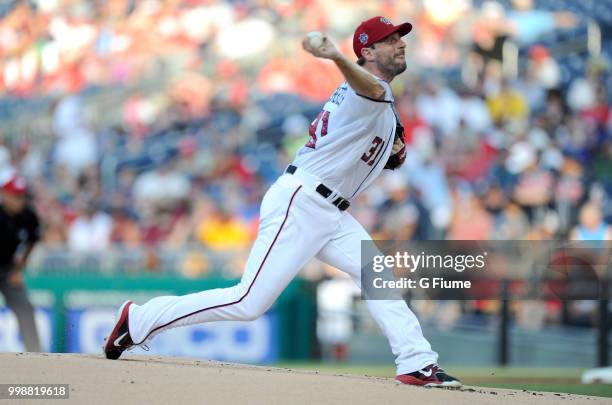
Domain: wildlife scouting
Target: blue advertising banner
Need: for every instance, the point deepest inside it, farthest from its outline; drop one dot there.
(10, 338)
(245, 342)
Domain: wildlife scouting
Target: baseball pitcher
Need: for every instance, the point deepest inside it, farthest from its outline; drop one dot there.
(303, 215)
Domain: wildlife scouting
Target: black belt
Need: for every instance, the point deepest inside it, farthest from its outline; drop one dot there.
(341, 203)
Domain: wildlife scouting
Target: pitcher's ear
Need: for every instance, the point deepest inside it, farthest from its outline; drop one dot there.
(367, 54)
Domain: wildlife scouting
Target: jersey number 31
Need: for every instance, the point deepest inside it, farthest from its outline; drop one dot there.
(372, 154)
(324, 118)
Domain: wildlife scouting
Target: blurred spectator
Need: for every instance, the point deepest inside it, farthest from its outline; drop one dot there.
(440, 107)
(507, 105)
(427, 177)
(583, 91)
(222, 232)
(470, 220)
(555, 112)
(474, 113)
(91, 230)
(161, 187)
(414, 124)
(76, 147)
(534, 186)
(544, 67)
(591, 226)
(125, 230)
(404, 217)
(185, 227)
(490, 32)
(55, 234)
(511, 224)
(530, 23)
(602, 166)
(569, 192)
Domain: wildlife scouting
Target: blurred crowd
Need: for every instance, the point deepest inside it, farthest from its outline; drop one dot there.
(205, 47)
(229, 98)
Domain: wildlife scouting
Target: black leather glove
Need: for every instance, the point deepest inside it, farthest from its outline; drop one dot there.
(398, 153)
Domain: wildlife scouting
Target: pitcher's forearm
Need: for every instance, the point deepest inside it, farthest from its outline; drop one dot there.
(362, 81)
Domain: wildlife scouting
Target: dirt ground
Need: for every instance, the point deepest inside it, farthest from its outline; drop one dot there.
(163, 380)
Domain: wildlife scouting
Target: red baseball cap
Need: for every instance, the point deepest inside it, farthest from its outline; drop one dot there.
(15, 185)
(374, 30)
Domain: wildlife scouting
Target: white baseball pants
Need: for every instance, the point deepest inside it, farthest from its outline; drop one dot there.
(296, 224)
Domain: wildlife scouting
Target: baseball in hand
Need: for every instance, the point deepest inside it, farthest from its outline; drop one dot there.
(320, 45)
(315, 39)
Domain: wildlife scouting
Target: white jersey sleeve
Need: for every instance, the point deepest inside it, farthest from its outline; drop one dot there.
(361, 106)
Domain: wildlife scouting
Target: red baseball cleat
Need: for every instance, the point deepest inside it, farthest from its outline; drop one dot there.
(430, 376)
(119, 339)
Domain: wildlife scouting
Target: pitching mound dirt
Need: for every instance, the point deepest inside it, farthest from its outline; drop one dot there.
(161, 380)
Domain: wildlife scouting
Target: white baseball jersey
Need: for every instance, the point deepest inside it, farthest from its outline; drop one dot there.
(350, 141)
(350, 144)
